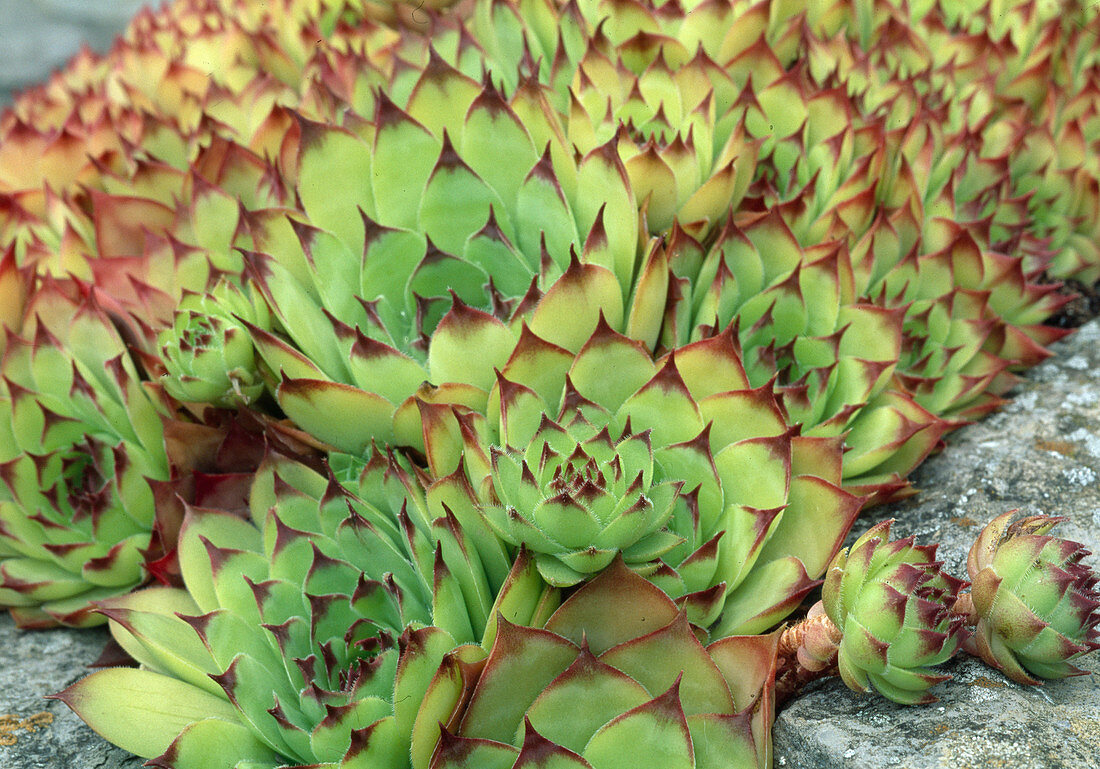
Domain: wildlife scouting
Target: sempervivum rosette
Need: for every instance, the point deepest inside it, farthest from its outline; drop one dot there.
(1034, 601)
(799, 319)
(893, 605)
(95, 164)
(576, 498)
(751, 483)
(378, 291)
(302, 636)
(208, 353)
(615, 677)
(80, 439)
(700, 94)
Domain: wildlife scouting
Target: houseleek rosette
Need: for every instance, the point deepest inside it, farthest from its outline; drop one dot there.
(576, 498)
(369, 297)
(702, 95)
(193, 71)
(303, 635)
(733, 550)
(800, 321)
(615, 677)
(893, 606)
(1034, 601)
(80, 439)
(208, 353)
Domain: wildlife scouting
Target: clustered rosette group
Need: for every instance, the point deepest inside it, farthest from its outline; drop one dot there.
(418, 385)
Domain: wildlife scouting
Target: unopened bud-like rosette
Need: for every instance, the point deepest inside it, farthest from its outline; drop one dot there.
(1034, 601)
(208, 352)
(892, 602)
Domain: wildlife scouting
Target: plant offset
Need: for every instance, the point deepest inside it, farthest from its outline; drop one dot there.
(493, 384)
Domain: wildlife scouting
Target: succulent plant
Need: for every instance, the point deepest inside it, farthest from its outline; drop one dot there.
(630, 304)
(15, 287)
(80, 439)
(1034, 602)
(615, 677)
(370, 295)
(799, 320)
(893, 605)
(576, 499)
(734, 550)
(703, 96)
(302, 635)
(208, 353)
(187, 107)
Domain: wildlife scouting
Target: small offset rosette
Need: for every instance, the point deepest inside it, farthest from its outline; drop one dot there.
(892, 602)
(1034, 601)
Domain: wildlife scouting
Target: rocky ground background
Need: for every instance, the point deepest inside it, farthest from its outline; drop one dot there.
(39, 36)
(1040, 454)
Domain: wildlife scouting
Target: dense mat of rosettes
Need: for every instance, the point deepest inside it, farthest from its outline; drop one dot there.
(484, 384)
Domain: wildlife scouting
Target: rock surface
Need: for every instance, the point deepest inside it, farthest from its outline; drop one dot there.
(39, 36)
(1040, 454)
(44, 734)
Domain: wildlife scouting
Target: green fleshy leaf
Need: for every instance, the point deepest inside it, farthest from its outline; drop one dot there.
(769, 593)
(217, 742)
(607, 352)
(332, 737)
(161, 641)
(404, 154)
(141, 711)
(556, 573)
(586, 696)
(339, 414)
(655, 732)
(572, 306)
(723, 741)
(333, 178)
(673, 654)
(523, 661)
(436, 706)
(463, 335)
(461, 753)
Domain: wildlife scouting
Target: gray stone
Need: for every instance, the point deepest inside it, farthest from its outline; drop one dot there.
(40, 36)
(1040, 454)
(36, 733)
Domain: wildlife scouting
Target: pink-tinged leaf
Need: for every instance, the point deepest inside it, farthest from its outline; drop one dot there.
(122, 223)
